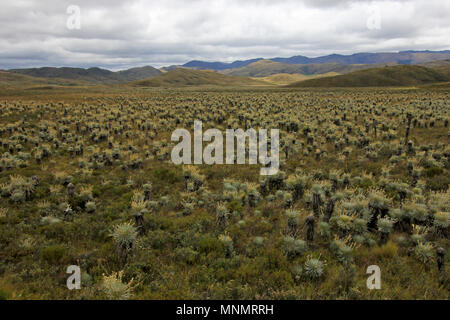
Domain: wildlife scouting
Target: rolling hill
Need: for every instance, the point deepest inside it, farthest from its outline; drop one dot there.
(265, 68)
(91, 75)
(187, 77)
(9, 80)
(286, 78)
(442, 66)
(138, 73)
(379, 77)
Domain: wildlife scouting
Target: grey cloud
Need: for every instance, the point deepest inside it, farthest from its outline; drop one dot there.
(117, 34)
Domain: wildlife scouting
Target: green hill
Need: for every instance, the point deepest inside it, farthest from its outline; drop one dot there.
(187, 77)
(9, 80)
(379, 77)
(442, 66)
(265, 68)
(91, 75)
(139, 73)
(287, 78)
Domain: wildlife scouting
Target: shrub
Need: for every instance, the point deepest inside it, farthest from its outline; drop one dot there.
(53, 254)
(388, 250)
(433, 171)
(186, 255)
(209, 245)
(279, 279)
(4, 294)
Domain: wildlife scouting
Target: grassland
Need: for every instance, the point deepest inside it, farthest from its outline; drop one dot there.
(186, 77)
(389, 76)
(286, 78)
(86, 179)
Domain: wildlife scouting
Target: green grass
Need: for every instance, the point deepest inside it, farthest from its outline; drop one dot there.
(380, 77)
(183, 256)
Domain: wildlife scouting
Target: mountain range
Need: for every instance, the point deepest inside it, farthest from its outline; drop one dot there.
(265, 68)
(402, 57)
(361, 69)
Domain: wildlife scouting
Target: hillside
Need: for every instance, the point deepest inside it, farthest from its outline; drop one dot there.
(441, 66)
(187, 77)
(94, 75)
(10, 80)
(286, 78)
(265, 68)
(379, 77)
(91, 75)
(138, 73)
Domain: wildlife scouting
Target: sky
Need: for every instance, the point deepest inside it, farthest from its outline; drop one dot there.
(119, 34)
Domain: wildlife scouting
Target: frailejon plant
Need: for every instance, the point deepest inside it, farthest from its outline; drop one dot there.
(313, 268)
(114, 287)
(424, 252)
(292, 221)
(293, 248)
(228, 243)
(349, 143)
(125, 236)
(385, 226)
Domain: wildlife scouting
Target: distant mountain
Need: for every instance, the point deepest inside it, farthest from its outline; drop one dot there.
(380, 77)
(91, 75)
(187, 77)
(402, 57)
(217, 66)
(169, 68)
(265, 68)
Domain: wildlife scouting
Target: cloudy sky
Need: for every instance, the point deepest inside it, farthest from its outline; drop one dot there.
(118, 34)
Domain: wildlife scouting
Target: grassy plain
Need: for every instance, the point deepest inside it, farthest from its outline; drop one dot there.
(86, 179)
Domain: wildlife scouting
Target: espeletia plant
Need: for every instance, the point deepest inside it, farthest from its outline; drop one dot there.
(424, 252)
(125, 236)
(313, 268)
(115, 288)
